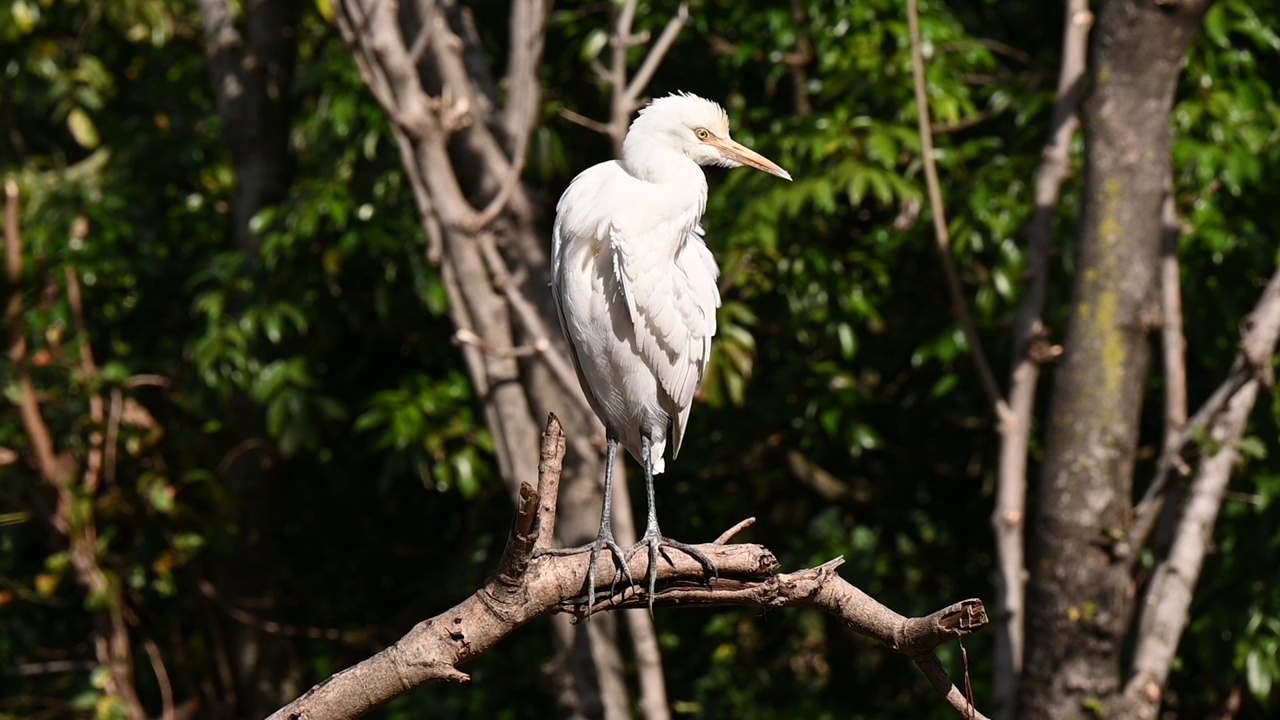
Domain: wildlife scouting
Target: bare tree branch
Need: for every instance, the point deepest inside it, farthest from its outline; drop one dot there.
(111, 641)
(37, 432)
(654, 58)
(1009, 517)
(167, 711)
(1166, 610)
(1252, 363)
(95, 458)
(520, 116)
(624, 94)
(959, 306)
(1173, 342)
(584, 121)
(529, 585)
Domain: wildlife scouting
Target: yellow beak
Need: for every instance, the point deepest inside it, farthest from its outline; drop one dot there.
(733, 150)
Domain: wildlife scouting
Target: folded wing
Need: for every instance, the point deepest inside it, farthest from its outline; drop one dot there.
(669, 286)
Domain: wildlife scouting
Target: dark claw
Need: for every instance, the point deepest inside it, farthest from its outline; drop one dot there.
(604, 540)
(655, 542)
(619, 563)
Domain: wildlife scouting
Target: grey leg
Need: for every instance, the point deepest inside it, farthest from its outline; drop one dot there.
(653, 538)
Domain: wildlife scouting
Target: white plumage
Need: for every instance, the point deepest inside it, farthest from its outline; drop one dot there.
(635, 287)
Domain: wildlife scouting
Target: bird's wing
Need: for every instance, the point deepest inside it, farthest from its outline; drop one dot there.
(560, 238)
(672, 300)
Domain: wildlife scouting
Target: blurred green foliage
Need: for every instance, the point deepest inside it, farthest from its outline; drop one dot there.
(836, 343)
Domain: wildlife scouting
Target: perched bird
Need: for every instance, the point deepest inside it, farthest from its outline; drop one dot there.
(635, 289)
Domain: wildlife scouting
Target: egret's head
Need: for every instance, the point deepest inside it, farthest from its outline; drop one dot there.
(699, 129)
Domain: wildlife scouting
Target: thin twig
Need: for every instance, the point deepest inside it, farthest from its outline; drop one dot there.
(113, 435)
(146, 380)
(466, 337)
(958, 304)
(624, 97)
(499, 201)
(1173, 342)
(93, 467)
(584, 121)
(732, 532)
(162, 679)
(51, 667)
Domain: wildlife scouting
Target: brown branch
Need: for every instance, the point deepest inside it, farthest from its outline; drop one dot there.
(524, 91)
(464, 336)
(584, 121)
(499, 202)
(111, 636)
(162, 679)
(550, 464)
(1166, 610)
(624, 96)
(656, 53)
(1253, 362)
(528, 585)
(732, 532)
(1008, 519)
(94, 463)
(32, 421)
(113, 436)
(959, 306)
(147, 380)
(1165, 613)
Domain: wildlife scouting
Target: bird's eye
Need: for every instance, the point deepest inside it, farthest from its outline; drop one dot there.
(702, 133)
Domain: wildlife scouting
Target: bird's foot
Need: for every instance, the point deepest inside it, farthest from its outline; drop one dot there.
(654, 541)
(603, 541)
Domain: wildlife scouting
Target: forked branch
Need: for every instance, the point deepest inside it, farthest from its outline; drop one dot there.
(529, 585)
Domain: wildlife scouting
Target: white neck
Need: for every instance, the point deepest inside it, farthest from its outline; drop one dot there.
(647, 158)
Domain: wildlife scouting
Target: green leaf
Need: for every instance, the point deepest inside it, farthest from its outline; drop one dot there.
(1252, 447)
(594, 43)
(82, 128)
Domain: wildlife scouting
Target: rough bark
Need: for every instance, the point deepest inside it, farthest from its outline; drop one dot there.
(1080, 595)
(528, 585)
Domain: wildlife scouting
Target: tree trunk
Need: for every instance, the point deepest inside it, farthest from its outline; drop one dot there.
(251, 66)
(1081, 596)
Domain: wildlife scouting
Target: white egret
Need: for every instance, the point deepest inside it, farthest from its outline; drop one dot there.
(635, 289)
